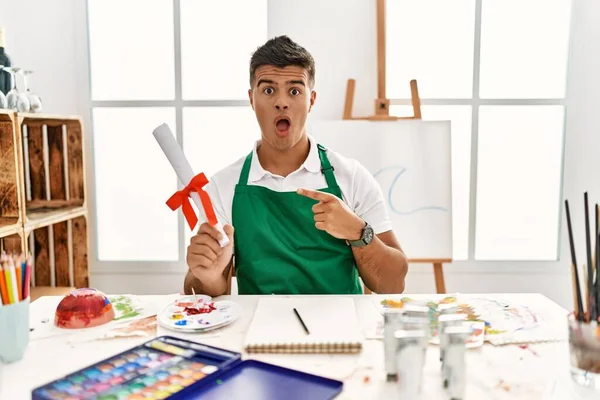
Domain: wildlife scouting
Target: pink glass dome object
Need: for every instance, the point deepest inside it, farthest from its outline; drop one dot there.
(84, 308)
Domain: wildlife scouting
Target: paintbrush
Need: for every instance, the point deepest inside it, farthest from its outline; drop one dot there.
(195, 298)
(596, 285)
(575, 274)
(591, 304)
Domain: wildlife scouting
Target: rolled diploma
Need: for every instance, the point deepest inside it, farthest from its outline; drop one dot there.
(168, 144)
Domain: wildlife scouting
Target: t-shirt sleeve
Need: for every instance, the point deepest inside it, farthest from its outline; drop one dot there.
(369, 203)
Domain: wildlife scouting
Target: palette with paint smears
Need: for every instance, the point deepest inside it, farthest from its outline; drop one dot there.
(185, 315)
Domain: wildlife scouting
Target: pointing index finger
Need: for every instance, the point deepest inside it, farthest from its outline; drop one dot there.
(315, 195)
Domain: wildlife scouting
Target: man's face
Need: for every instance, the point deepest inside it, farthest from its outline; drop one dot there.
(281, 99)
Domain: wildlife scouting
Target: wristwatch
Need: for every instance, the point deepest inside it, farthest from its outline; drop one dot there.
(365, 238)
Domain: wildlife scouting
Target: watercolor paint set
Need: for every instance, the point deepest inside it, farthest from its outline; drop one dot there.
(173, 368)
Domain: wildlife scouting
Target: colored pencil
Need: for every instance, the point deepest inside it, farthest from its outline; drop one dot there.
(14, 283)
(576, 285)
(27, 281)
(15, 278)
(8, 275)
(19, 283)
(3, 287)
(23, 262)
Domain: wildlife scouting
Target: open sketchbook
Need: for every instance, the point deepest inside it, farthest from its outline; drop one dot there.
(332, 323)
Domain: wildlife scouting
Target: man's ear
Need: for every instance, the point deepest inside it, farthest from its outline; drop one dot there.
(313, 98)
(250, 97)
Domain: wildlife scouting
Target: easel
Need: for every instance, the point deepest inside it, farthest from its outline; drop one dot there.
(382, 113)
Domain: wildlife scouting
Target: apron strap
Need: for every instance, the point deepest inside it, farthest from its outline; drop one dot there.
(326, 167)
(245, 170)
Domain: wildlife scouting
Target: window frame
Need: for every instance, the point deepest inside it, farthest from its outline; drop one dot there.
(476, 102)
(141, 267)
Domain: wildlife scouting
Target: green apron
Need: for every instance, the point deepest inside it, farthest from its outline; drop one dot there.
(278, 249)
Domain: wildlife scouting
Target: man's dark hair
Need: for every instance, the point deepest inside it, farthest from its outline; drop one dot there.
(281, 51)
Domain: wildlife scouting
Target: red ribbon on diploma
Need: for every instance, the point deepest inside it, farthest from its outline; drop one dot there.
(181, 198)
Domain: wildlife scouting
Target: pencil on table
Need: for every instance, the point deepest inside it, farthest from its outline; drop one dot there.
(301, 321)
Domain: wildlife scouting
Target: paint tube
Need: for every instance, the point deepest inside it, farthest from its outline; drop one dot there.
(392, 321)
(445, 321)
(410, 360)
(454, 367)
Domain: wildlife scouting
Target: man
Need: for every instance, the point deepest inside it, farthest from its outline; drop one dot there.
(307, 220)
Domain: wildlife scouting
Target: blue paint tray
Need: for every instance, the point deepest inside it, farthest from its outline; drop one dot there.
(173, 368)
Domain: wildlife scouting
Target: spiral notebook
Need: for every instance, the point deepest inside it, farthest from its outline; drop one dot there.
(331, 321)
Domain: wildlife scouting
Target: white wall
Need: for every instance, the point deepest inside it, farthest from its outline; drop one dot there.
(40, 36)
(341, 36)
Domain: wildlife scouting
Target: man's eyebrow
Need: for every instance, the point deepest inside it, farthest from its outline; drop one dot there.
(297, 82)
(265, 81)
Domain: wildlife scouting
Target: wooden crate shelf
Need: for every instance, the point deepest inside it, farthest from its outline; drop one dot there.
(10, 175)
(60, 253)
(8, 230)
(53, 160)
(12, 243)
(43, 207)
(39, 219)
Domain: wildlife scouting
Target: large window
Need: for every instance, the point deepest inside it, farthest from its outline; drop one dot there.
(178, 64)
(497, 70)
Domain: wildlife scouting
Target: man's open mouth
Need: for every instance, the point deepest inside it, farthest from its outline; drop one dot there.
(282, 124)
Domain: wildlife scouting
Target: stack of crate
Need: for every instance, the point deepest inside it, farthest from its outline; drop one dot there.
(43, 208)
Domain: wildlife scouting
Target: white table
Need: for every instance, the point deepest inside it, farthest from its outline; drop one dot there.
(506, 372)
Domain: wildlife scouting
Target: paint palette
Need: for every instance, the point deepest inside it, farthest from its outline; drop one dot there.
(186, 315)
(155, 370)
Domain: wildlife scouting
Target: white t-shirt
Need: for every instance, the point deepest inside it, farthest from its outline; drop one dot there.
(360, 190)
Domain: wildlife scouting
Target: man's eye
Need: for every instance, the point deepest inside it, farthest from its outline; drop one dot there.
(294, 92)
(269, 90)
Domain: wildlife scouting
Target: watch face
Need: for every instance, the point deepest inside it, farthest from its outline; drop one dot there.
(368, 234)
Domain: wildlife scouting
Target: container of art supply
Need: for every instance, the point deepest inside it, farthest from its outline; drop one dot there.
(392, 321)
(410, 360)
(454, 368)
(447, 308)
(14, 331)
(415, 310)
(445, 321)
(584, 351)
(414, 323)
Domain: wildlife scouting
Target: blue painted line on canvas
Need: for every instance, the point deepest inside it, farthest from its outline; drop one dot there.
(391, 189)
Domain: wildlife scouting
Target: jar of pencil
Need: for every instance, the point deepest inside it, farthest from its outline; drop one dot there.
(15, 278)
